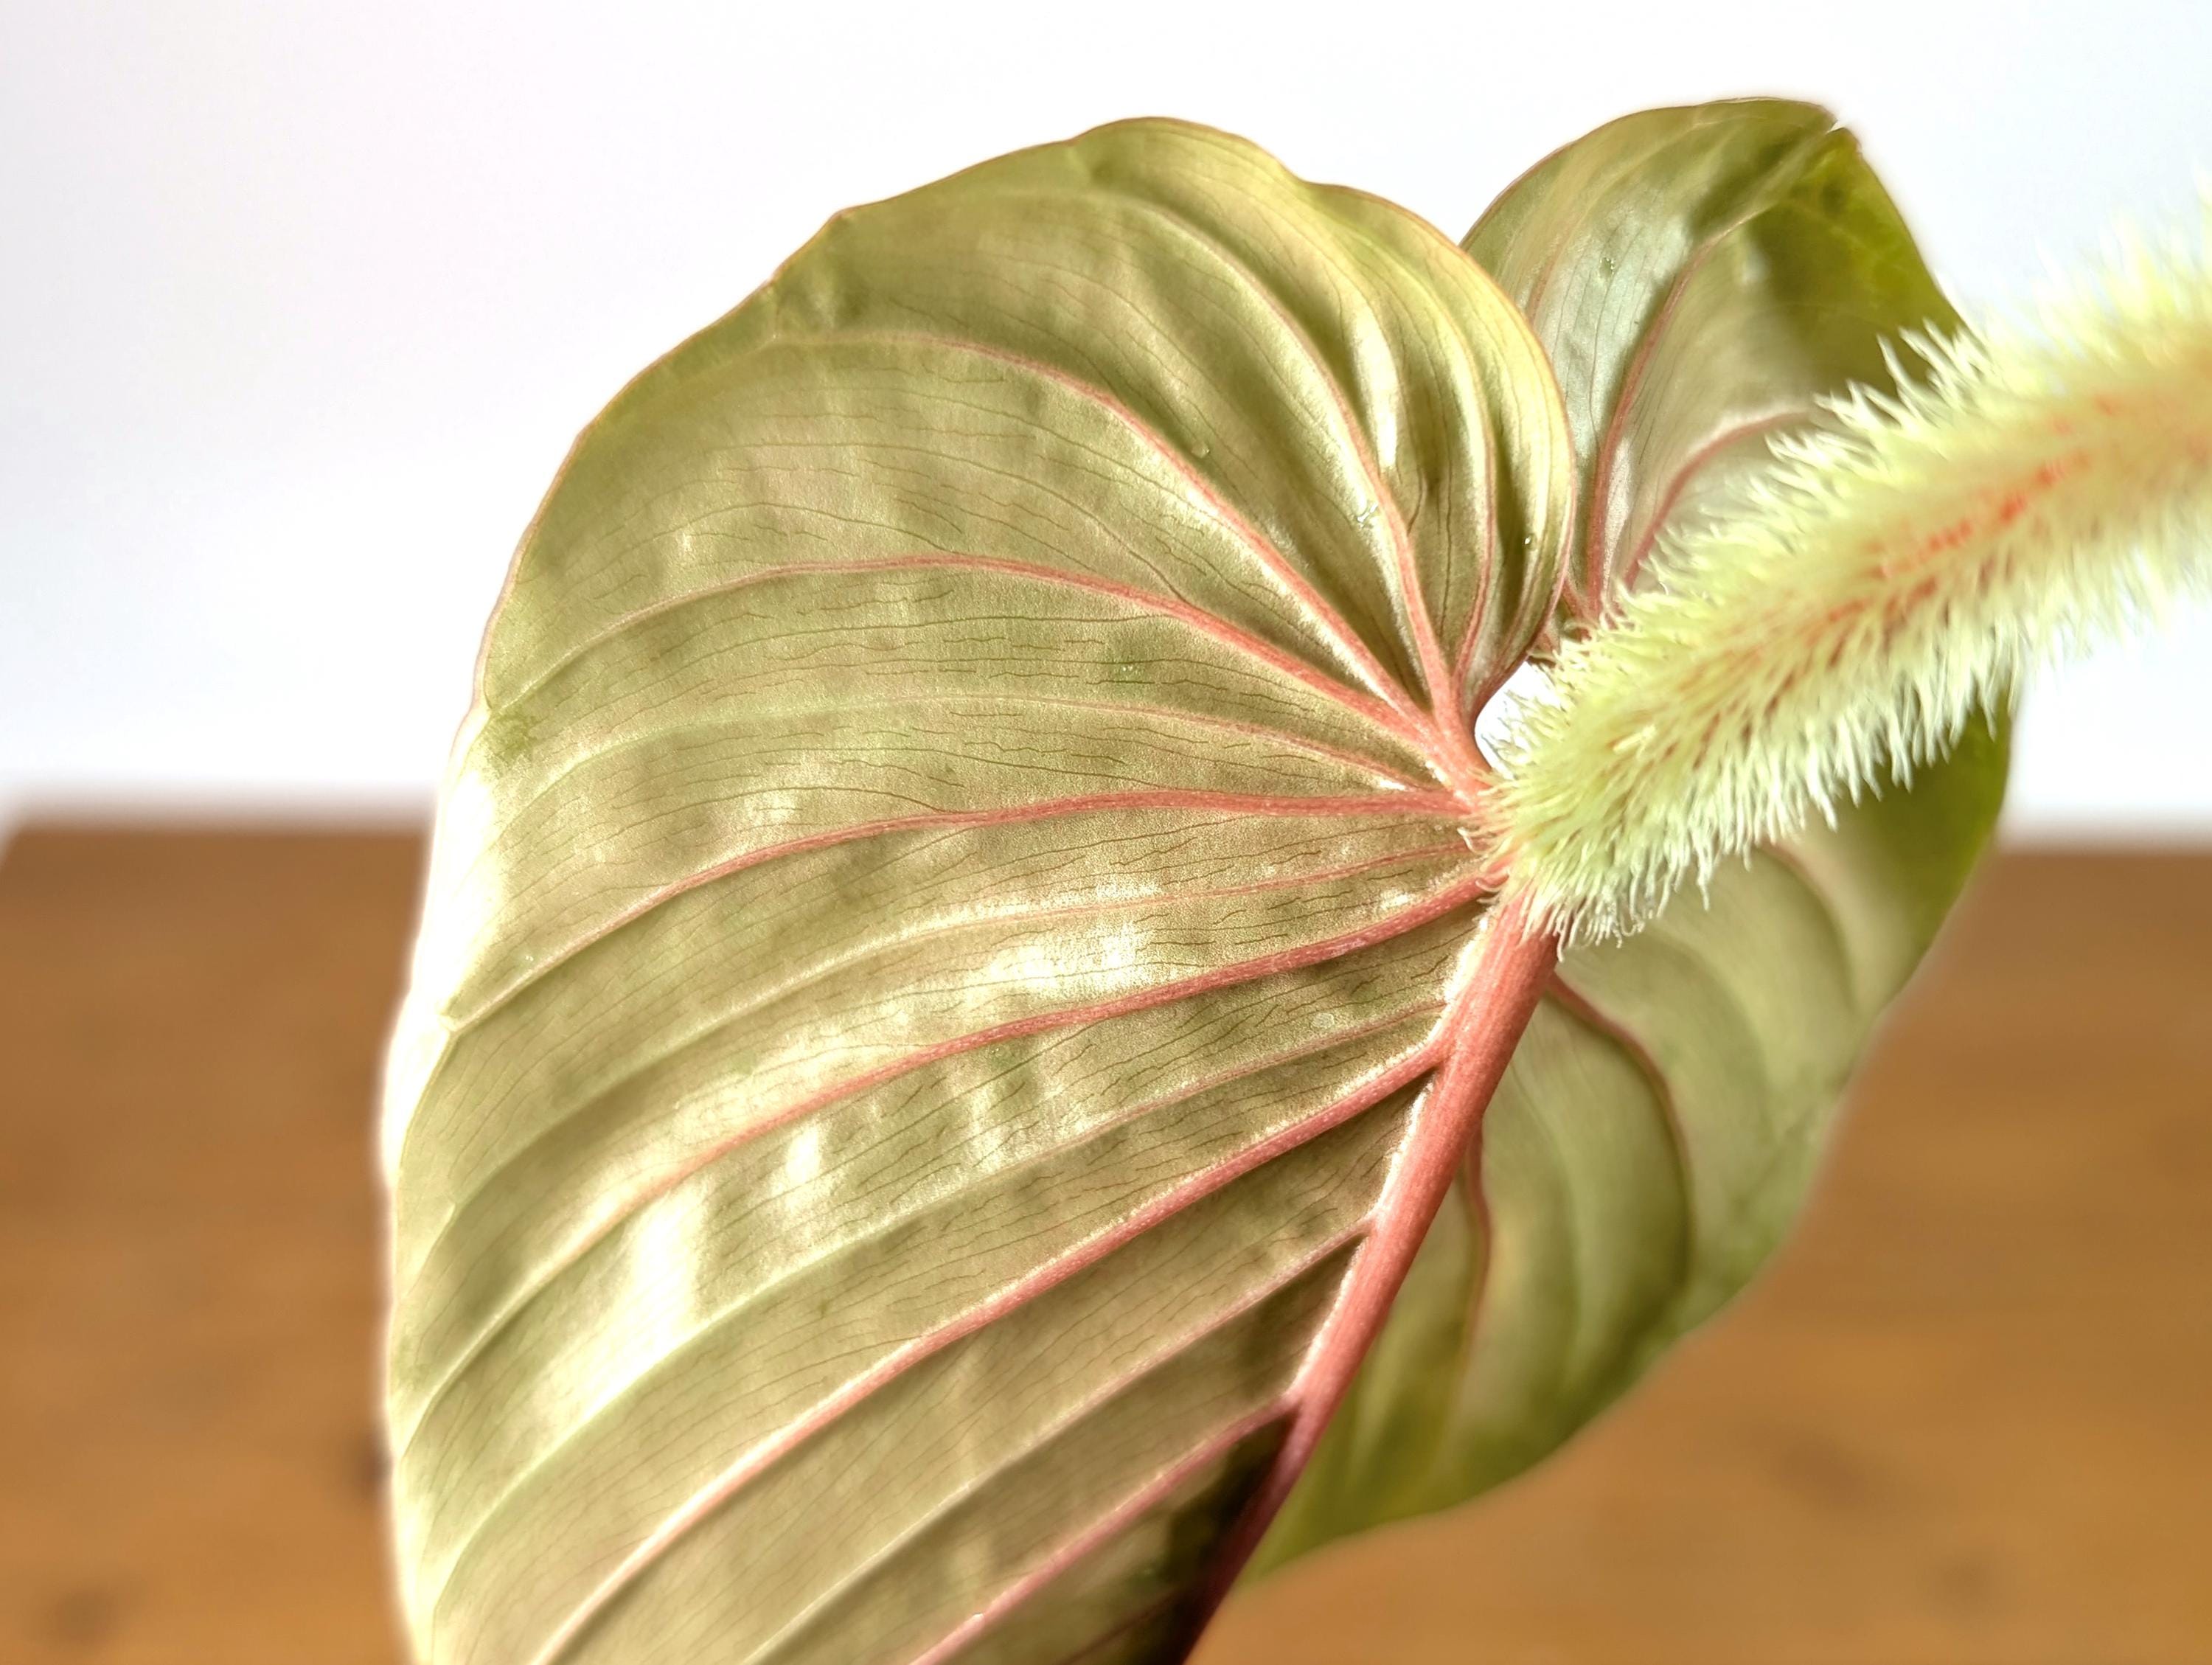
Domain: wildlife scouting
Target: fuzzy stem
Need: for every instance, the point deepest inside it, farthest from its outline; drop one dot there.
(2049, 488)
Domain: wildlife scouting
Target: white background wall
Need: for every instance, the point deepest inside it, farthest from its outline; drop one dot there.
(300, 304)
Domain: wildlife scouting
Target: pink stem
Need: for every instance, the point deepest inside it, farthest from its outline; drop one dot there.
(1473, 1046)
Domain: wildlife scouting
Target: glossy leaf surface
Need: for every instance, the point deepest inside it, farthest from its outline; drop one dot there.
(1699, 276)
(952, 978)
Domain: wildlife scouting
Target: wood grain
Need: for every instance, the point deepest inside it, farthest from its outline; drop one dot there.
(1968, 1418)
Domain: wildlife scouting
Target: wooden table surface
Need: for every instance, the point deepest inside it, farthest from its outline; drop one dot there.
(1968, 1418)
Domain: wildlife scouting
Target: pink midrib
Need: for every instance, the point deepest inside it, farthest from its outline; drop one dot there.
(1474, 1047)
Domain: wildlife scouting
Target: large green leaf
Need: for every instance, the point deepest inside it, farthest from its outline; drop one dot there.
(953, 978)
(1699, 278)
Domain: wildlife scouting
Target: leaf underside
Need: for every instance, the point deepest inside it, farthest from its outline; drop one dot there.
(953, 950)
(944, 917)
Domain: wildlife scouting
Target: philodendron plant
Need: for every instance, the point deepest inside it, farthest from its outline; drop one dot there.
(988, 1050)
